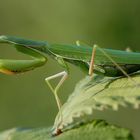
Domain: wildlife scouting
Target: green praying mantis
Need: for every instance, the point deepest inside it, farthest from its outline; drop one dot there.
(107, 62)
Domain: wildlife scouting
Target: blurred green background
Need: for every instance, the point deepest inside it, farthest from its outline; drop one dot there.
(25, 100)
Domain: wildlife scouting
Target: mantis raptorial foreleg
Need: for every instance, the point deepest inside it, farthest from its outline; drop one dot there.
(9, 66)
(63, 76)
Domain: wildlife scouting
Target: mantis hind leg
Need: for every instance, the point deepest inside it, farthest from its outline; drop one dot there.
(63, 76)
(91, 68)
(55, 89)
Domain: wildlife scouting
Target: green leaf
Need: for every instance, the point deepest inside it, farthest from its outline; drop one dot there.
(95, 130)
(98, 93)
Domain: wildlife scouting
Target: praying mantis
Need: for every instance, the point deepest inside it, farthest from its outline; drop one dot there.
(107, 62)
